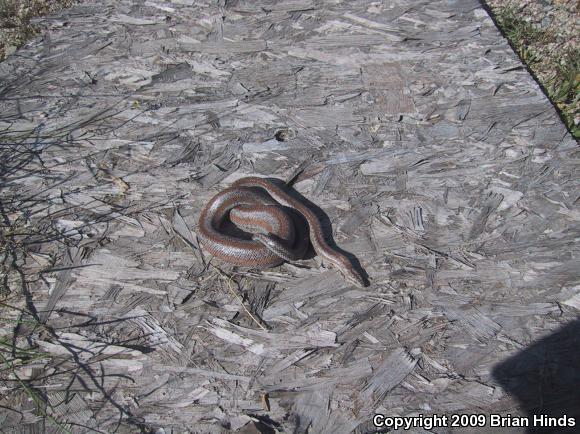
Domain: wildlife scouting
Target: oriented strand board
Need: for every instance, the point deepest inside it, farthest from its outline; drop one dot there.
(437, 159)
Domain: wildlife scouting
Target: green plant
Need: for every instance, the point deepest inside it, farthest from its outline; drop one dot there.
(558, 74)
(564, 89)
(518, 31)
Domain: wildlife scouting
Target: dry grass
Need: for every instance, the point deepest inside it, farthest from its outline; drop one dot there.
(554, 62)
(16, 27)
(21, 359)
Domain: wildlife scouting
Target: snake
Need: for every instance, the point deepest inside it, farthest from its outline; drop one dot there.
(260, 207)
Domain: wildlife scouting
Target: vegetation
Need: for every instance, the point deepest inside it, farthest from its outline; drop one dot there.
(22, 362)
(16, 26)
(557, 70)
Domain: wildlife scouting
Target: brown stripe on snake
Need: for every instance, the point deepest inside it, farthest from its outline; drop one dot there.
(256, 205)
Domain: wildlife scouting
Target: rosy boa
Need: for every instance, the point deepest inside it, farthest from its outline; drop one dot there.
(274, 236)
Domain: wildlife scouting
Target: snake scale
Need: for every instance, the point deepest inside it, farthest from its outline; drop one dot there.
(256, 205)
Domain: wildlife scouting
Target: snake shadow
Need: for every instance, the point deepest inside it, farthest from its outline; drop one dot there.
(325, 223)
(545, 379)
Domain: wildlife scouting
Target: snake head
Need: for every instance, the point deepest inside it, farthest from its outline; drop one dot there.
(354, 277)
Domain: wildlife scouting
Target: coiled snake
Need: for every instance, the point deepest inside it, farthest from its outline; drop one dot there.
(254, 205)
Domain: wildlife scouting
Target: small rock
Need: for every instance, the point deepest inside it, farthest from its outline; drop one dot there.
(545, 22)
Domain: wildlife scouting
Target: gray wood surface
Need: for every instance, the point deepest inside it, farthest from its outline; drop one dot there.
(440, 163)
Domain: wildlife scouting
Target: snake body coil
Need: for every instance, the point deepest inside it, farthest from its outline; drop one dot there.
(256, 206)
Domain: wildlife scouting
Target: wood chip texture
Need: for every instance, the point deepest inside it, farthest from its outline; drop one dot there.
(441, 166)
